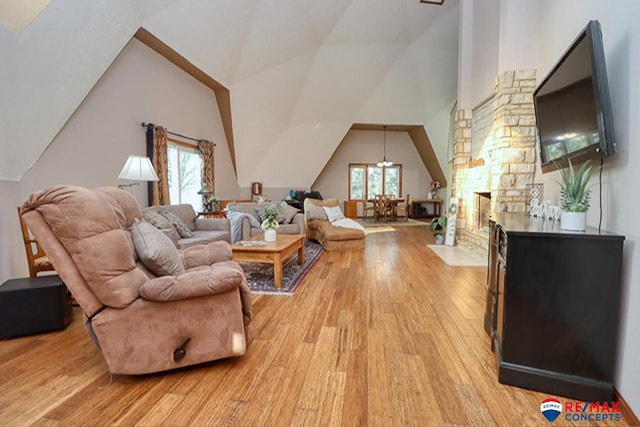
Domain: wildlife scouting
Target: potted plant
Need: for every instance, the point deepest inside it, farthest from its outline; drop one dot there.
(212, 204)
(269, 213)
(438, 226)
(574, 196)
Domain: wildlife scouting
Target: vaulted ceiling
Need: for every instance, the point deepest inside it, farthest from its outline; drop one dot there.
(299, 72)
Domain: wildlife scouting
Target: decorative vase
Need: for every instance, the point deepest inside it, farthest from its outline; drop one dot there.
(573, 221)
(439, 239)
(269, 235)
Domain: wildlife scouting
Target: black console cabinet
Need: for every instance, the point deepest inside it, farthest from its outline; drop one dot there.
(553, 306)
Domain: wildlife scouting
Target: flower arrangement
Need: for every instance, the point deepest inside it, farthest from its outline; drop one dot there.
(269, 213)
(211, 204)
(435, 186)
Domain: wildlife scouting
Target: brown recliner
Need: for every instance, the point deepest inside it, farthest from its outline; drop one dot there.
(141, 322)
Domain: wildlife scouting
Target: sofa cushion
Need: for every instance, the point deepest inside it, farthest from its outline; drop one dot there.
(332, 232)
(152, 216)
(182, 228)
(247, 208)
(283, 229)
(203, 237)
(288, 211)
(183, 211)
(155, 250)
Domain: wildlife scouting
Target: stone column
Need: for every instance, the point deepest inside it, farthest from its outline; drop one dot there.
(511, 158)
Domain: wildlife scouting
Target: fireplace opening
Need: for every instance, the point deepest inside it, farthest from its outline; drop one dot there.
(483, 211)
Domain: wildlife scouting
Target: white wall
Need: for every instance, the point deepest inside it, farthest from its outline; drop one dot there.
(518, 27)
(93, 145)
(366, 146)
(559, 22)
(478, 51)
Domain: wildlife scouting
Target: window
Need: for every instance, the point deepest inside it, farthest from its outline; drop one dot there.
(185, 175)
(367, 180)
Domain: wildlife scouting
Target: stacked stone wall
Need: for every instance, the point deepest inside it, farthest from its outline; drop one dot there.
(505, 161)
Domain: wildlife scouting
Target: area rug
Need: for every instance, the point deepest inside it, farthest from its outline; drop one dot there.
(260, 276)
(458, 256)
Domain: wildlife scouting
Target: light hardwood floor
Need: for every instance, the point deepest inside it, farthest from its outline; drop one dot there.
(382, 337)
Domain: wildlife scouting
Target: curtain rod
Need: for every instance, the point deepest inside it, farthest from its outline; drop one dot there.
(144, 125)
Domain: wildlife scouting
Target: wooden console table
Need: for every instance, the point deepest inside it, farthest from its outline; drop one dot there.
(420, 208)
(553, 306)
(218, 214)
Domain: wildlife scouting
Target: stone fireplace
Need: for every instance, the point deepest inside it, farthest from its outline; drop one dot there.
(482, 207)
(494, 157)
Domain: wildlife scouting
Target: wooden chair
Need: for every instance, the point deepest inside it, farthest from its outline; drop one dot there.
(382, 208)
(368, 209)
(402, 210)
(38, 261)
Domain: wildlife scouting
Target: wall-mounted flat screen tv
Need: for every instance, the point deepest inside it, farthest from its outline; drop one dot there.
(572, 104)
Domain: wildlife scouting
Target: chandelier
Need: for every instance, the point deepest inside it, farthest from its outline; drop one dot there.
(384, 162)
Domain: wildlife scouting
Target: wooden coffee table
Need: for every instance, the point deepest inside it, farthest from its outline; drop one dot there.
(271, 253)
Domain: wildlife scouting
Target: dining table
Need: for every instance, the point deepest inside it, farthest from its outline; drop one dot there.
(386, 208)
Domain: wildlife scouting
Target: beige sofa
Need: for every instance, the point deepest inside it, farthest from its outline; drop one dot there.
(148, 306)
(293, 222)
(331, 238)
(203, 230)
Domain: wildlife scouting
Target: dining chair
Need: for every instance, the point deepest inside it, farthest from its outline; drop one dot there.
(402, 209)
(382, 207)
(37, 260)
(369, 209)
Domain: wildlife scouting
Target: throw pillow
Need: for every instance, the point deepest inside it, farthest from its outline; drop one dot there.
(155, 250)
(316, 212)
(288, 211)
(334, 213)
(154, 218)
(177, 223)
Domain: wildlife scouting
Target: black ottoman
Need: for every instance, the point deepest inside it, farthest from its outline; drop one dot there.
(33, 305)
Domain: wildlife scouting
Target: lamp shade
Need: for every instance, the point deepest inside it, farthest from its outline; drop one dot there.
(138, 168)
(205, 191)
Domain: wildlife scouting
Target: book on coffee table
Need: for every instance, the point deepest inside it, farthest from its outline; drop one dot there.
(253, 243)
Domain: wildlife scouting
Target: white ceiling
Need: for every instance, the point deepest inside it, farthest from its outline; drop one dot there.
(300, 72)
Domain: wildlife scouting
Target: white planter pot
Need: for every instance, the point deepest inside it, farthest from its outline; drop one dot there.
(573, 221)
(270, 235)
(439, 239)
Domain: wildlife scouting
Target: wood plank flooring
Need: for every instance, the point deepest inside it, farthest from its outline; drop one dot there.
(386, 336)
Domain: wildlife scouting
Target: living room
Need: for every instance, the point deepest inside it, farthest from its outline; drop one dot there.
(74, 116)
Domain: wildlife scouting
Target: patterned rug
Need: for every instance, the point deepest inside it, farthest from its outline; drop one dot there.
(260, 276)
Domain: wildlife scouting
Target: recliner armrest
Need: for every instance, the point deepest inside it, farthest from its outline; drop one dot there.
(214, 280)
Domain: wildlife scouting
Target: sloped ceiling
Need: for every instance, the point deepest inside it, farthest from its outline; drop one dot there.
(300, 72)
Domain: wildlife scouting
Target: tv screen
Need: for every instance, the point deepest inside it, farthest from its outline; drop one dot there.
(572, 104)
